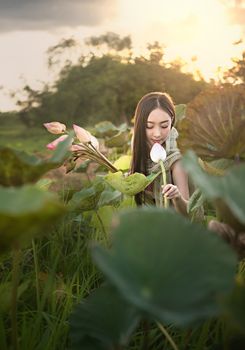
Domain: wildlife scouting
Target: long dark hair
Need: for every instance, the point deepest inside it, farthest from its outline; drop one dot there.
(145, 106)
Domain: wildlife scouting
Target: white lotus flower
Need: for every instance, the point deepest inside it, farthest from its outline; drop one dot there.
(157, 153)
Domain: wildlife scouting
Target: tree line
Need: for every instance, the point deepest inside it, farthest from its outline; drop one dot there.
(107, 83)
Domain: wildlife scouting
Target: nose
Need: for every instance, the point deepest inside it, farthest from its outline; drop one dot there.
(156, 132)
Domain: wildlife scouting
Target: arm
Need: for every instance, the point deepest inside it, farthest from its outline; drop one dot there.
(179, 191)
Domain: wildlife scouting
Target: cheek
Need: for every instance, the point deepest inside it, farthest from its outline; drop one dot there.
(166, 132)
(148, 133)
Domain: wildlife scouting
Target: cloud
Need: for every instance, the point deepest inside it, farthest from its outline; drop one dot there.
(48, 14)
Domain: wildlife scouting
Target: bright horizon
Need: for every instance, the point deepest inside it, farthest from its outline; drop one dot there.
(205, 30)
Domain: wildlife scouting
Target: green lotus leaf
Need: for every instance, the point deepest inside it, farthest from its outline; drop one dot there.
(168, 267)
(214, 125)
(123, 163)
(105, 129)
(25, 212)
(104, 317)
(118, 140)
(83, 167)
(226, 191)
(87, 198)
(102, 218)
(131, 184)
(109, 196)
(18, 168)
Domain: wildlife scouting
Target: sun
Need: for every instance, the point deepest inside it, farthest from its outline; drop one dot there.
(186, 28)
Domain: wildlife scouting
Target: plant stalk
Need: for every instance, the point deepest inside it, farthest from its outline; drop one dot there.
(164, 178)
(15, 283)
(167, 335)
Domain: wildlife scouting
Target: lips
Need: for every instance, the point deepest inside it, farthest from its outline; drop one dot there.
(157, 141)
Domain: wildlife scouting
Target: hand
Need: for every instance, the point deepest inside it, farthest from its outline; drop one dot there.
(171, 191)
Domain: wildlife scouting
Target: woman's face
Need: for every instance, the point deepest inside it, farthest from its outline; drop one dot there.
(158, 127)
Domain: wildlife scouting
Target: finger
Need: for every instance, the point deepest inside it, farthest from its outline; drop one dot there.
(166, 188)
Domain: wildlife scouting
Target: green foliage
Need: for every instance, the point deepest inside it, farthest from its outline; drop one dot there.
(87, 198)
(234, 306)
(24, 212)
(129, 185)
(118, 140)
(123, 163)
(104, 316)
(216, 120)
(159, 264)
(105, 129)
(226, 192)
(107, 88)
(18, 168)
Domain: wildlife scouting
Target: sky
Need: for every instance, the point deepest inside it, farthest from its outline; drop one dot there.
(204, 29)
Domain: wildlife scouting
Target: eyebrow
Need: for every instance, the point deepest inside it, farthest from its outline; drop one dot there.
(165, 121)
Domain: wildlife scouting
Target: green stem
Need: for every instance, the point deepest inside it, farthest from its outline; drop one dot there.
(164, 178)
(101, 223)
(36, 273)
(15, 283)
(167, 335)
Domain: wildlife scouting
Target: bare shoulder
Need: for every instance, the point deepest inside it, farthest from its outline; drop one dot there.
(180, 178)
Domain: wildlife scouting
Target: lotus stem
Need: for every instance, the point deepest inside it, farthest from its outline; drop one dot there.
(164, 179)
(167, 335)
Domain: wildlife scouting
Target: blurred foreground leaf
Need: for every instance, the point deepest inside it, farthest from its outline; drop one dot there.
(173, 270)
(227, 192)
(103, 318)
(18, 168)
(24, 212)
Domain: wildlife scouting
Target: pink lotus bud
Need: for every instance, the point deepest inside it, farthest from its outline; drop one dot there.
(75, 148)
(83, 135)
(55, 127)
(53, 145)
(95, 142)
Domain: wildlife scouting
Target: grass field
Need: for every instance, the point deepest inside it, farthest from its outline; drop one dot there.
(18, 136)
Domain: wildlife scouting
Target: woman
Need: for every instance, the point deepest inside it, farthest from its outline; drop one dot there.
(154, 120)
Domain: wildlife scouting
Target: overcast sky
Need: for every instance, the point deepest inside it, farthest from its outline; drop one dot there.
(50, 14)
(206, 29)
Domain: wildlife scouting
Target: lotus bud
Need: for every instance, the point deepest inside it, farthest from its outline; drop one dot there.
(157, 153)
(95, 142)
(55, 127)
(75, 148)
(83, 135)
(55, 143)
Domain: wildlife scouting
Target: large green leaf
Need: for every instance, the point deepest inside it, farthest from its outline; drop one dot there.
(102, 218)
(118, 140)
(109, 197)
(87, 198)
(214, 125)
(104, 316)
(131, 184)
(25, 212)
(123, 163)
(228, 189)
(104, 129)
(18, 168)
(168, 267)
